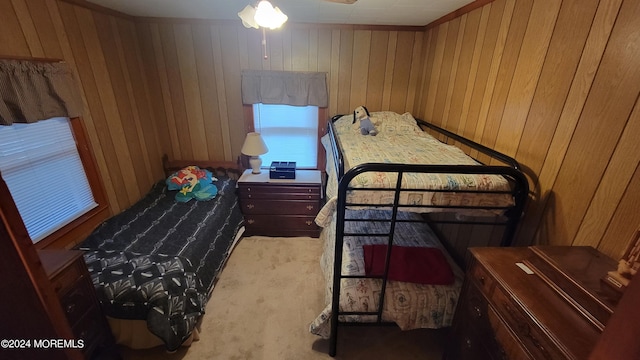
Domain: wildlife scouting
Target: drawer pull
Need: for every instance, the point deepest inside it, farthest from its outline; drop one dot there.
(250, 221)
(309, 207)
(250, 206)
(70, 308)
(309, 222)
(478, 311)
(467, 343)
(481, 279)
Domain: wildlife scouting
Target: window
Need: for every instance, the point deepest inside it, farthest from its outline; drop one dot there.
(290, 132)
(45, 175)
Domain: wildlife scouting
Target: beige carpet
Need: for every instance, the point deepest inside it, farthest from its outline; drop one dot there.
(261, 307)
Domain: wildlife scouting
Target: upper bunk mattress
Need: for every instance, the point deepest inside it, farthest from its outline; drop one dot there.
(400, 140)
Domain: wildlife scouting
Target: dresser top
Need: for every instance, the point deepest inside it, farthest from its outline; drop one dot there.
(543, 304)
(302, 177)
(56, 260)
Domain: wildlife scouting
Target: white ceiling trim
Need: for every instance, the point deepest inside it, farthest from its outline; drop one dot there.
(363, 12)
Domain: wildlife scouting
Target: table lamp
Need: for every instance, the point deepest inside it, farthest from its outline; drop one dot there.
(253, 147)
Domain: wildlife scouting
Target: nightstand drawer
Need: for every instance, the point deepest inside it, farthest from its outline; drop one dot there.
(293, 222)
(281, 225)
(275, 191)
(279, 207)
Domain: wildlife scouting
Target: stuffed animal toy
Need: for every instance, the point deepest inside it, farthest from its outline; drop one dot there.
(366, 126)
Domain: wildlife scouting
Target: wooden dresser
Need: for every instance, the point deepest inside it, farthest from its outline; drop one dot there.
(552, 306)
(72, 283)
(280, 207)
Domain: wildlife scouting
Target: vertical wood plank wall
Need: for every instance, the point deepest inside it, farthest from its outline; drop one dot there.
(553, 83)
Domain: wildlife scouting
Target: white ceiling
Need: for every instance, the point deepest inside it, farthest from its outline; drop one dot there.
(370, 12)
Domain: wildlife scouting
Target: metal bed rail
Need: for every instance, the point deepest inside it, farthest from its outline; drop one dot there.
(512, 214)
(511, 171)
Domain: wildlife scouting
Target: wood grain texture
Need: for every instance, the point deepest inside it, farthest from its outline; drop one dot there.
(553, 83)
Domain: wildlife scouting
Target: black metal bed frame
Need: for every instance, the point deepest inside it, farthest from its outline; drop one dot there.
(511, 171)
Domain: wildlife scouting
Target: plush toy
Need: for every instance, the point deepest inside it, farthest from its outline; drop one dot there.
(366, 126)
(193, 183)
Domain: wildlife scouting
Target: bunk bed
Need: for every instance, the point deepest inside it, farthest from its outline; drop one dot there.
(403, 196)
(155, 264)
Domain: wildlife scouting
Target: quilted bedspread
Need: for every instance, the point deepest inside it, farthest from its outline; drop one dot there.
(400, 140)
(409, 305)
(159, 259)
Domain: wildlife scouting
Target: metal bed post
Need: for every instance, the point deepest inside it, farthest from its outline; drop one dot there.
(520, 190)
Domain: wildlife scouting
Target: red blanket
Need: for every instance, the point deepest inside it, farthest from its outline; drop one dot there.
(421, 265)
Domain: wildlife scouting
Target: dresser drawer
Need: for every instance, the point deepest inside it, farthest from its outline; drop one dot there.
(91, 330)
(280, 207)
(531, 336)
(293, 222)
(68, 277)
(466, 345)
(482, 279)
(281, 225)
(77, 301)
(283, 192)
(506, 345)
(489, 329)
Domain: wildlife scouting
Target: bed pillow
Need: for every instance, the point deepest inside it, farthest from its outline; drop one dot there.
(390, 123)
(420, 265)
(192, 183)
(386, 122)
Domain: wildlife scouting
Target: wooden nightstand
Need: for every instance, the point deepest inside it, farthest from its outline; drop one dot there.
(280, 207)
(72, 283)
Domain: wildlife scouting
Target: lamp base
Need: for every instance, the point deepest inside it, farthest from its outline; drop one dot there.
(255, 162)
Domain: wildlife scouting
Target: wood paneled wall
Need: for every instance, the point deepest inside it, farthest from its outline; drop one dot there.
(194, 68)
(104, 53)
(555, 84)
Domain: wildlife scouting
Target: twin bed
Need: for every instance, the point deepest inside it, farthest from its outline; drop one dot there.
(396, 230)
(155, 264)
(392, 251)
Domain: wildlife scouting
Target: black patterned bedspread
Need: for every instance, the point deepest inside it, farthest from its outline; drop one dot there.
(159, 259)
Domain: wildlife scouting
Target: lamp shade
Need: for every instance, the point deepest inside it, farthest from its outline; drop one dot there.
(265, 15)
(254, 145)
(248, 17)
(268, 16)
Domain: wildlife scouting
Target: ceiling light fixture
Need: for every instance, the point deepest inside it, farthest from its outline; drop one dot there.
(264, 15)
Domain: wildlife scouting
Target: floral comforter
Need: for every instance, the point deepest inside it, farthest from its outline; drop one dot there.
(409, 305)
(400, 140)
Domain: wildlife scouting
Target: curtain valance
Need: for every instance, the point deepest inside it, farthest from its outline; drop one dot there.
(284, 87)
(35, 90)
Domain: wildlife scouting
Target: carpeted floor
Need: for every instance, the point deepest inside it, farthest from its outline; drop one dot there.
(261, 307)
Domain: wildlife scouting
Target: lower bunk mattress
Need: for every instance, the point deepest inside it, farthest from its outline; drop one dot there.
(158, 260)
(409, 305)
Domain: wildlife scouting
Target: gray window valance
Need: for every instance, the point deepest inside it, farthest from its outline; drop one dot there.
(35, 90)
(284, 87)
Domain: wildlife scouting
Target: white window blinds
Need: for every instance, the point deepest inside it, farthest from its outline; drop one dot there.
(290, 133)
(40, 164)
